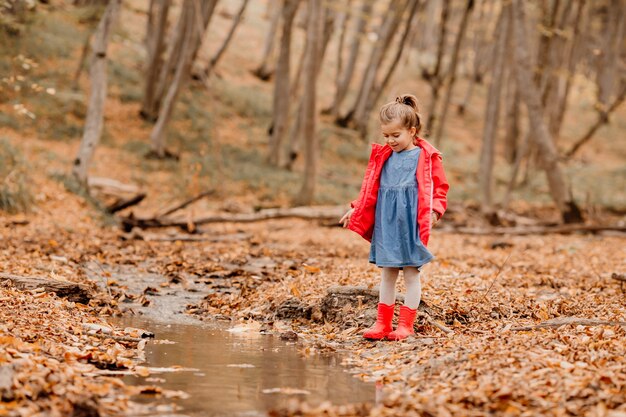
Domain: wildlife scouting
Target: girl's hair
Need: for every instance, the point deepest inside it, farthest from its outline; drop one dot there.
(405, 110)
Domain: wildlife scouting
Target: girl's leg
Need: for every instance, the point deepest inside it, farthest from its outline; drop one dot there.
(413, 287)
(388, 285)
(408, 311)
(386, 306)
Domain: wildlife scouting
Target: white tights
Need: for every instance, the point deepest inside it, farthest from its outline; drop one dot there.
(411, 281)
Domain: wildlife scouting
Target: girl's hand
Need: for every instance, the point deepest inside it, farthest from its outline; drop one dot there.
(434, 218)
(345, 220)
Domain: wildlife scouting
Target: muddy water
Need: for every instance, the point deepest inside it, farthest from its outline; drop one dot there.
(243, 373)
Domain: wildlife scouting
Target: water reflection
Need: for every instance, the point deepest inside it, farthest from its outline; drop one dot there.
(244, 374)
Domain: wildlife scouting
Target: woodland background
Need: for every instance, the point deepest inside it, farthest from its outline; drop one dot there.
(149, 137)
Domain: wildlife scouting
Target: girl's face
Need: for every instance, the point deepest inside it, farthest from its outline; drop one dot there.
(399, 137)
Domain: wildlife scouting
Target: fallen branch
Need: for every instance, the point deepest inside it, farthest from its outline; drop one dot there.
(72, 291)
(122, 204)
(563, 321)
(185, 203)
(111, 184)
(619, 277)
(533, 230)
(311, 213)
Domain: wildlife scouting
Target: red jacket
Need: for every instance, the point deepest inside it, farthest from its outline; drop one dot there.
(432, 189)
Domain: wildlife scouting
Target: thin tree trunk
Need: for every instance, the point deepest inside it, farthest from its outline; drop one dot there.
(155, 42)
(263, 71)
(559, 188)
(342, 26)
(81, 62)
(281, 83)
(512, 128)
(374, 96)
(310, 112)
(571, 59)
(193, 22)
(452, 71)
(214, 60)
(95, 109)
(603, 118)
(612, 47)
(492, 115)
(355, 46)
(386, 32)
(434, 77)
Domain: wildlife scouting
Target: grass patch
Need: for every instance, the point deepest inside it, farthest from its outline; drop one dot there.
(246, 101)
(15, 194)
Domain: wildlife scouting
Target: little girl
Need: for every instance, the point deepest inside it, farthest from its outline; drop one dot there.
(402, 196)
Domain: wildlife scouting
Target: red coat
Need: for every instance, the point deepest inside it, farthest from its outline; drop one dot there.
(432, 189)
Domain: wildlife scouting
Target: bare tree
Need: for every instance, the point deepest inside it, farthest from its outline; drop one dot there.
(492, 115)
(216, 57)
(452, 70)
(344, 79)
(155, 42)
(386, 32)
(281, 83)
(193, 22)
(310, 112)
(434, 76)
(377, 90)
(95, 109)
(263, 71)
(530, 94)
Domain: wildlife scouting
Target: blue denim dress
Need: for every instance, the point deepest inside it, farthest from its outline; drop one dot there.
(396, 242)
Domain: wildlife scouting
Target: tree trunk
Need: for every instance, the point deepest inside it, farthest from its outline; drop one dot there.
(559, 188)
(434, 77)
(612, 47)
(263, 71)
(309, 104)
(512, 128)
(281, 83)
(214, 60)
(193, 21)
(571, 58)
(376, 92)
(342, 26)
(452, 71)
(95, 109)
(386, 32)
(492, 115)
(355, 46)
(155, 42)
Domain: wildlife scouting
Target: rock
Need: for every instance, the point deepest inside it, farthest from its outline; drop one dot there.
(289, 335)
(294, 308)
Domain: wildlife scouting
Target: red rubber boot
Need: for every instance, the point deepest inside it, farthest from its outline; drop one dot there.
(383, 323)
(405, 324)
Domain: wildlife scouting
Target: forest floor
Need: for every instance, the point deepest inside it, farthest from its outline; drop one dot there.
(489, 345)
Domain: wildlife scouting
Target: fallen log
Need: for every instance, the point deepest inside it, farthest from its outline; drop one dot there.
(72, 291)
(311, 213)
(533, 230)
(563, 321)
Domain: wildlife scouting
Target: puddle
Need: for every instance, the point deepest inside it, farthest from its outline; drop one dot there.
(242, 374)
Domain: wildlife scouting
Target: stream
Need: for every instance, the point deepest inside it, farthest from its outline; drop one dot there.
(235, 371)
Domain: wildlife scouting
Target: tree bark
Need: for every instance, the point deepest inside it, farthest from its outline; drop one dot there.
(309, 105)
(355, 46)
(492, 115)
(386, 33)
(193, 22)
(155, 42)
(559, 188)
(281, 84)
(216, 57)
(72, 291)
(376, 92)
(95, 109)
(452, 71)
(263, 71)
(434, 77)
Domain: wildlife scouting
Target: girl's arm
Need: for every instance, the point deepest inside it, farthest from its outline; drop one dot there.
(440, 186)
